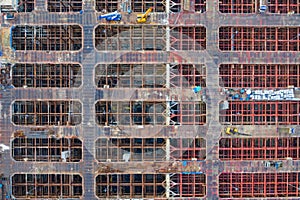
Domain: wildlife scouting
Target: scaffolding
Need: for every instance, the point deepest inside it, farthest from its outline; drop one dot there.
(149, 149)
(46, 113)
(149, 38)
(150, 113)
(64, 5)
(47, 186)
(149, 75)
(25, 5)
(259, 38)
(261, 113)
(38, 149)
(259, 76)
(252, 6)
(45, 75)
(150, 185)
(259, 185)
(272, 148)
(46, 38)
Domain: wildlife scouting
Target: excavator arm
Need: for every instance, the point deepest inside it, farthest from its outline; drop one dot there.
(142, 18)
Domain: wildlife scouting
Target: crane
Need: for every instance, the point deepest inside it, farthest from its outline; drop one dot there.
(142, 18)
(114, 16)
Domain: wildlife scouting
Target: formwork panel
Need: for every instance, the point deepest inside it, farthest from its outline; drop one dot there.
(187, 75)
(149, 185)
(27, 186)
(261, 113)
(285, 6)
(259, 185)
(149, 149)
(46, 38)
(149, 113)
(259, 75)
(130, 75)
(44, 75)
(273, 148)
(64, 5)
(46, 149)
(188, 38)
(259, 38)
(130, 37)
(237, 6)
(25, 5)
(46, 113)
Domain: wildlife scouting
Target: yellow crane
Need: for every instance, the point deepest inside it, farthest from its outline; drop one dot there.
(142, 18)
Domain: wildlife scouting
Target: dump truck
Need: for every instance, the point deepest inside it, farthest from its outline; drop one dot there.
(234, 131)
(114, 16)
(142, 18)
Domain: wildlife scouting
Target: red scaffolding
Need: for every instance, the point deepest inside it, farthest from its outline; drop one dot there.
(259, 38)
(261, 113)
(259, 76)
(259, 148)
(250, 185)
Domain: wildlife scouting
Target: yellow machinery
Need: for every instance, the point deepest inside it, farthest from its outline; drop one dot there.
(234, 131)
(142, 18)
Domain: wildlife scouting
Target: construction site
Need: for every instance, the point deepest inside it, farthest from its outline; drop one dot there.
(161, 99)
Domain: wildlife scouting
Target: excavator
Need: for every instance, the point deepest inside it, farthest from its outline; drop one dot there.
(234, 131)
(142, 18)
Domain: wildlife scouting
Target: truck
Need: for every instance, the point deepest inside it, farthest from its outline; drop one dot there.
(114, 16)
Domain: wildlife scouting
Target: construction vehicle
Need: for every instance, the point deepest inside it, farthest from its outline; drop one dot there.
(142, 18)
(234, 131)
(114, 16)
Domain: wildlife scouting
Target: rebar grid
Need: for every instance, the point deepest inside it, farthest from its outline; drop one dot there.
(259, 148)
(46, 149)
(47, 38)
(285, 6)
(47, 185)
(46, 113)
(259, 38)
(261, 113)
(130, 185)
(249, 185)
(25, 5)
(46, 75)
(130, 75)
(259, 75)
(149, 113)
(64, 5)
(149, 149)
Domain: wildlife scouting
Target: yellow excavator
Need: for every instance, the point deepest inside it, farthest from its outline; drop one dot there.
(234, 131)
(142, 18)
